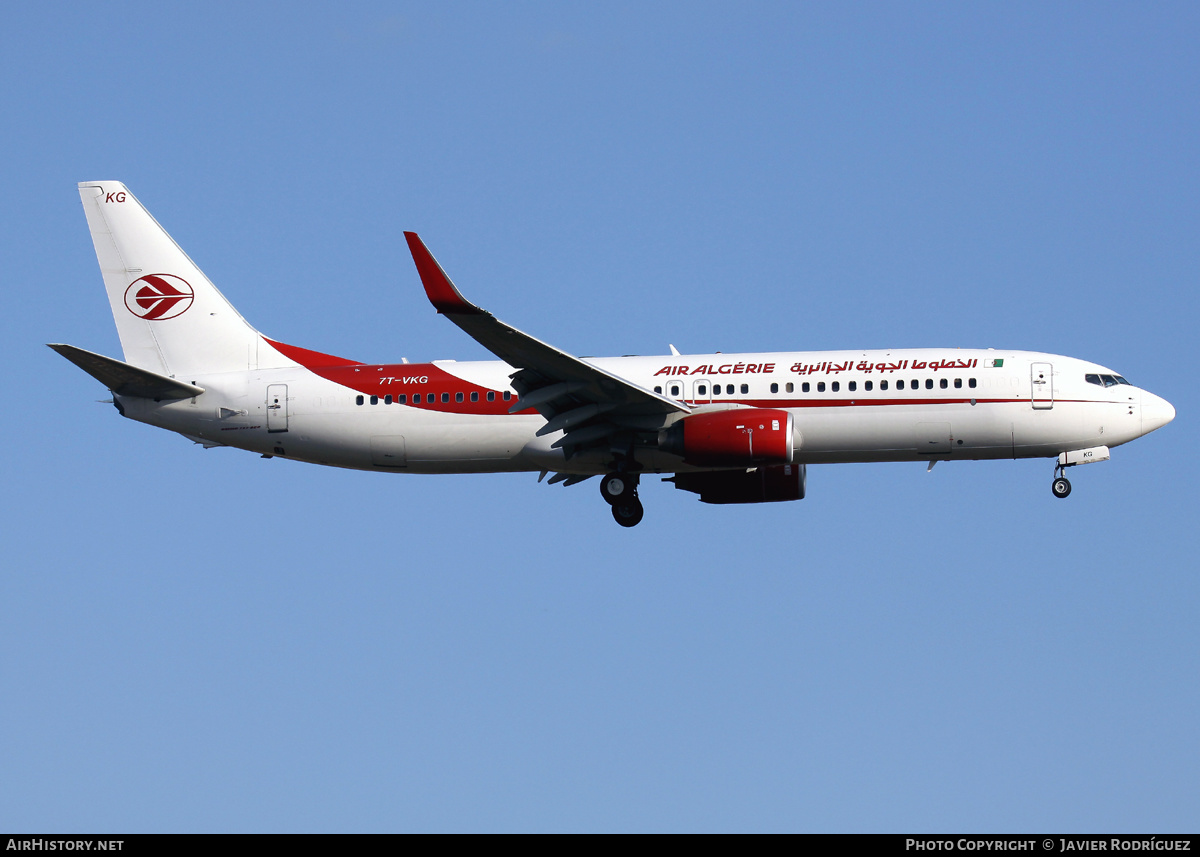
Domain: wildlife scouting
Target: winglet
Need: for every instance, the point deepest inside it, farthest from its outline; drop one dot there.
(438, 287)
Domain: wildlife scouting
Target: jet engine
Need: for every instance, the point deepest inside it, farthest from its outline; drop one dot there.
(768, 484)
(744, 436)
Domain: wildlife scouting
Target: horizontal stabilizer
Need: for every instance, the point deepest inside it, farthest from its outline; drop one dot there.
(126, 380)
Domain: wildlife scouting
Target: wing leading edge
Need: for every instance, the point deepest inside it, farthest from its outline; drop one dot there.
(591, 405)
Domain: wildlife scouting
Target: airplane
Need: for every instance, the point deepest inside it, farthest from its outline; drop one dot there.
(731, 428)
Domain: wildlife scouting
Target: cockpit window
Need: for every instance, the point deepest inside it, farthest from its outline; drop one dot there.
(1105, 380)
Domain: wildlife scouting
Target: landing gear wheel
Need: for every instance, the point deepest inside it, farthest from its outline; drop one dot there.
(618, 488)
(1061, 487)
(628, 513)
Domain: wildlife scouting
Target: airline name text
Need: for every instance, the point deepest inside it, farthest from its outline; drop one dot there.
(724, 369)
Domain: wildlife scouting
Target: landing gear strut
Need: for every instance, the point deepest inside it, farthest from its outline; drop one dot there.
(619, 490)
(1061, 486)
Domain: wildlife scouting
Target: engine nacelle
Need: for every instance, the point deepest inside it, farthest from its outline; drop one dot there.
(743, 436)
(771, 484)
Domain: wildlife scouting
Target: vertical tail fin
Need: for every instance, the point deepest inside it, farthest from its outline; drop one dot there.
(171, 319)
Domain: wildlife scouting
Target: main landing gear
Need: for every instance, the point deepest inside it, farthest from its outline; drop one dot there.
(1061, 486)
(620, 491)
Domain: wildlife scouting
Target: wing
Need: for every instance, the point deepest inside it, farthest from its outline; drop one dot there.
(592, 406)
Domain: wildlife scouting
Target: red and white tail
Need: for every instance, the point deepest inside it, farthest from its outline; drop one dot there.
(170, 317)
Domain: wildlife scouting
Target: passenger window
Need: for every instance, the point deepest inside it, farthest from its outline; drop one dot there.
(491, 395)
(971, 383)
(674, 390)
(374, 400)
(883, 385)
(387, 400)
(728, 389)
(745, 389)
(474, 397)
(358, 400)
(899, 385)
(944, 384)
(853, 385)
(774, 388)
(701, 389)
(820, 386)
(402, 398)
(806, 387)
(928, 383)
(658, 390)
(835, 386)
(458, 397)
(868, 385)
(958, 383)
(507, 396)
(790, 387)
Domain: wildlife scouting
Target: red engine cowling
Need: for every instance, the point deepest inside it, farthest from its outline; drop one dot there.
(761, 485)
(729, 438)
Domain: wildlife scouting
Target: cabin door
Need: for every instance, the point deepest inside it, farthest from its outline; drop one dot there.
(1042, 384)
(277, 408)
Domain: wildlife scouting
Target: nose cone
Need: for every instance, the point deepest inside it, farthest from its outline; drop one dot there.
(1156, 412)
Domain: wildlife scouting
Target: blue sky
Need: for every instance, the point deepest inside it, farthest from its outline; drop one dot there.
(206, 641)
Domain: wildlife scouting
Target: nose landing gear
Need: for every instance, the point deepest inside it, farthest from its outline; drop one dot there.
(1061, 486)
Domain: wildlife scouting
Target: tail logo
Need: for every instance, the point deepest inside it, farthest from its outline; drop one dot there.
(157, 297)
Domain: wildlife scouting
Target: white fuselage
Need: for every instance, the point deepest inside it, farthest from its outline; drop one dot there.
(848, 406)
(732, 428)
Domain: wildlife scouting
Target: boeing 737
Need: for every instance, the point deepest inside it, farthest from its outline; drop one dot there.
(732, 428)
